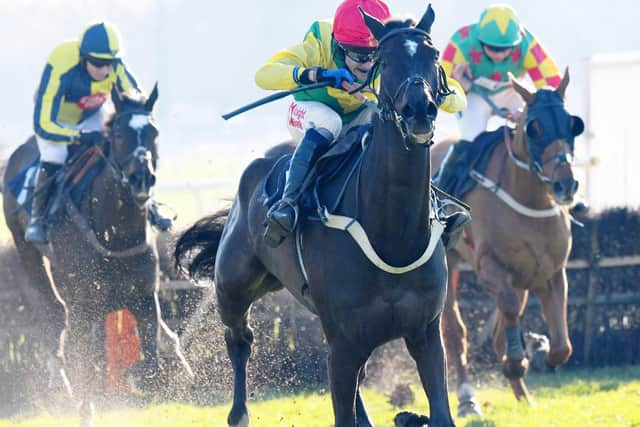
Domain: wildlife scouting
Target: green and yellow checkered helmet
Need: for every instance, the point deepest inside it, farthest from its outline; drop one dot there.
(100, 40)
(499, 26)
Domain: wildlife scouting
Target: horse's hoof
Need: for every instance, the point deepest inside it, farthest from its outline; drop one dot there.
(410, 419)
(515, 368)
(238, 420)
(469, 408)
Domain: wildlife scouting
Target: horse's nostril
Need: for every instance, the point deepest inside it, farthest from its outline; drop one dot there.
(408, 112)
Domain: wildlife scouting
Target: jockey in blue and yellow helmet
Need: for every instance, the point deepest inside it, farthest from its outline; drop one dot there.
(71, 104)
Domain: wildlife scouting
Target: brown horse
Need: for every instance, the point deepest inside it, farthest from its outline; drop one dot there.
(520, 238)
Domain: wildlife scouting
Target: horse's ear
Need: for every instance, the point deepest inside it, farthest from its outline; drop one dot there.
(427, 20)
(153, 97)
(521, 90)
(118, 103)
(376, 27)
(562, 87)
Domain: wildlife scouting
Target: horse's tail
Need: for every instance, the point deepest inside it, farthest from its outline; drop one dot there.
(196, 249)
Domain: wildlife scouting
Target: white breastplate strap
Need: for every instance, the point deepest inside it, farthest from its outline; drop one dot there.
(356, 231)
(510, 201)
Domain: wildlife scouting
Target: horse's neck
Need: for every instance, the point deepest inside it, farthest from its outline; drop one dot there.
(116, 219)
(394, 194)
(523, 184)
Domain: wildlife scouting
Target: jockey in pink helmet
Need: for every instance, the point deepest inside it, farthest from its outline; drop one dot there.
(340, 51)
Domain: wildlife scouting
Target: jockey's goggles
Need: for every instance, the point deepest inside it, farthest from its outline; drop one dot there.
(100, 62)
(497, 49)
(360, 55)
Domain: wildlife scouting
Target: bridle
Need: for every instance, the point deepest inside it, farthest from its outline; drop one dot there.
(388, 111)
(140, 153)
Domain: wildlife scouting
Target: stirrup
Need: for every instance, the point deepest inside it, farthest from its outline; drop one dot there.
(275, 232)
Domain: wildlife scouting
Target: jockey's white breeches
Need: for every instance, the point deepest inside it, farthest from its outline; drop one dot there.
(304, 115)
(473, 120)
(57, 152)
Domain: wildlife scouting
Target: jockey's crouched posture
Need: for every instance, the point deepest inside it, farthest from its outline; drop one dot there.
(341, 52)
(71, 105)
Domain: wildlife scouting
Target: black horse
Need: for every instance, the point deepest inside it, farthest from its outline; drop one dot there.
(361, 305)
(102, 254)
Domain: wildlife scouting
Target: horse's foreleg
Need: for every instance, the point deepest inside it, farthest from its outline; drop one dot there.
(553, 302)
(146, 371)
(344, 369)
(362, 417)
(428, 352)
(455, 338)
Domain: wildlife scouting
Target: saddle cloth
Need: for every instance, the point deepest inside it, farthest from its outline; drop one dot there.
(83, 167)
(325, 182)
(476, 158)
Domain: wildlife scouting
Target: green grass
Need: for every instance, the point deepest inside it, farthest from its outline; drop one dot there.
(607, 397)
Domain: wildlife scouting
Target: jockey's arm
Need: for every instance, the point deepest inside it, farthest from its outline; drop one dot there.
(283, 70)
(49, 99)
(539, 65)
(457, 101)
(125, 81)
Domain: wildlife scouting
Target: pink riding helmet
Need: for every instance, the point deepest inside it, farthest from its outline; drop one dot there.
(348, 25)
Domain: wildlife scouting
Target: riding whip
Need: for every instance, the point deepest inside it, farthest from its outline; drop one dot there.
(274, 97)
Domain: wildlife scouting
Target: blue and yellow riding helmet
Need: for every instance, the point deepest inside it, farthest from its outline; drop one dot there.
(100, 41)
(499, 26)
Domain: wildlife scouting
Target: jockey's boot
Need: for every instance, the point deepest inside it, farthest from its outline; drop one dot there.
(157, 220)
(36, 231)
(446, 179)
(282, 218)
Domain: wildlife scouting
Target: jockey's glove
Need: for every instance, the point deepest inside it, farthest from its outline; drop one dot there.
(88, 138)
(336, 77)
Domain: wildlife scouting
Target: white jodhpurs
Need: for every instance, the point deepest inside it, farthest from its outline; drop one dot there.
(473, 121)
(304, 115)
(57, 152)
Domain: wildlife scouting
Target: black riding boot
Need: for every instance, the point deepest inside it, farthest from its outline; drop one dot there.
(447, 181)
(36, 231)
(283, 216)
(157, 220)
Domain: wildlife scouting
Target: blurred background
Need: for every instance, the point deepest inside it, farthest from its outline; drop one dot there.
(204, 55)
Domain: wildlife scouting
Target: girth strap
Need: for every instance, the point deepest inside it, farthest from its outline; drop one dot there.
(353, 227)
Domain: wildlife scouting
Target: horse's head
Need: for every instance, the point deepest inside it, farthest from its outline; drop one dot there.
(412, 82)
(133, 143)
(549, 133)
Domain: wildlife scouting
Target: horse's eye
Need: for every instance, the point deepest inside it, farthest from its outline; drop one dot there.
(534, 129)
(576, 125)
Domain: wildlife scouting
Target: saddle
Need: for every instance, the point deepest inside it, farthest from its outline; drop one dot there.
(326, 182)
(73, 180)
(476, 158)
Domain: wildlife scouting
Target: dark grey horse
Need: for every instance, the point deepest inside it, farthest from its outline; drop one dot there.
(102, 253)
(361, 306)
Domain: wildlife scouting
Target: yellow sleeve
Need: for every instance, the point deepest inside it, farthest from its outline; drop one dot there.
(125, 81)
(49, 98)
(277, 73)
(457, 101)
